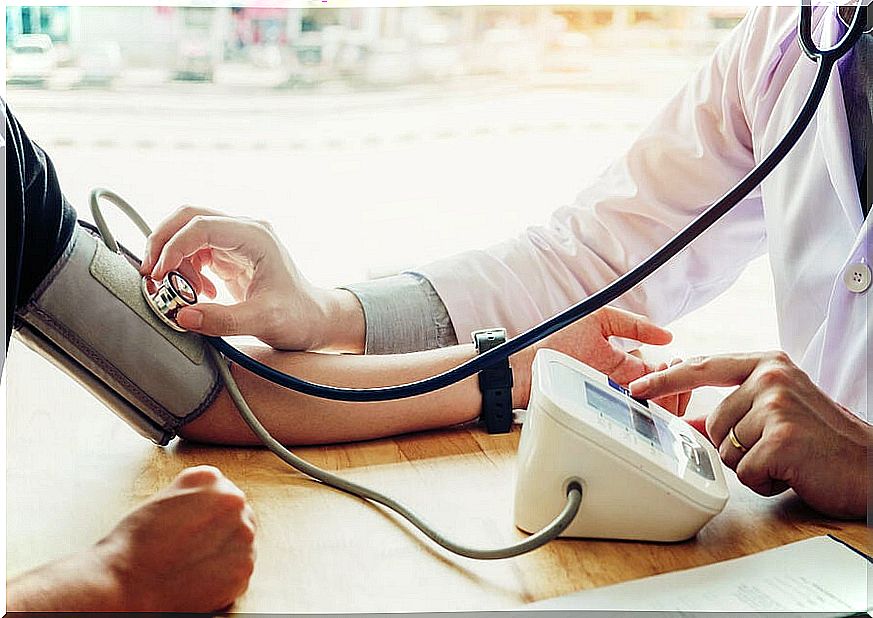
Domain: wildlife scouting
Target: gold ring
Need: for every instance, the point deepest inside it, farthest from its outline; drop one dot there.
(735, 441)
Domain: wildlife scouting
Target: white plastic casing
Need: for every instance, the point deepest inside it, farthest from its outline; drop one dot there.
(634, 487)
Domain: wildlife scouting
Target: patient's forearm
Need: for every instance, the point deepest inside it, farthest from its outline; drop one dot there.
(78, 583)
(300, 419)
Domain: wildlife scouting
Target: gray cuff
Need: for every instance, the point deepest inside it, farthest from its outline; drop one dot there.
(403, 313)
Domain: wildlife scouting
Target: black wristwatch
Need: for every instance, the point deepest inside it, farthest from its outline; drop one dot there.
(495, 382)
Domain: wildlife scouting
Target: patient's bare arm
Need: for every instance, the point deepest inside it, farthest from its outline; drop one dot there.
(300, 419)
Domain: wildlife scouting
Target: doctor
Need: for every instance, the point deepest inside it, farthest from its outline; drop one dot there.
(799, 416)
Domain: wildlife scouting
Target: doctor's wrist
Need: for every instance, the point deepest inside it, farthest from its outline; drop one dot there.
(342, 323)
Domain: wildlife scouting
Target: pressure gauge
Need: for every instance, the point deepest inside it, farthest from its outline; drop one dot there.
(167, 297)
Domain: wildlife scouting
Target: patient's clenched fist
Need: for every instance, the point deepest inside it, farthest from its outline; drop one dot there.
(189, 548)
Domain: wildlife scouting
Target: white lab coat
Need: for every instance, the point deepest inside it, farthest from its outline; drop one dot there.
(807, 214)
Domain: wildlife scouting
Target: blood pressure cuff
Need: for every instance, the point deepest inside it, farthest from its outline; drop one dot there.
(88, 316)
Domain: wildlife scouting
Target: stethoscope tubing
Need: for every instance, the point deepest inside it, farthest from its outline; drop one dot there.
(825, 59)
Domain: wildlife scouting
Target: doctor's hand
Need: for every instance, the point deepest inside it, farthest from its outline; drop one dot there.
(275, 302)
(786, 431)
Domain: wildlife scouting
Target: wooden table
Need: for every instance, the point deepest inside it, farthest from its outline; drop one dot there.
(73, 469)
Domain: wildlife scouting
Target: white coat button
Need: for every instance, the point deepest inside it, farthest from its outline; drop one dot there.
(857, 277)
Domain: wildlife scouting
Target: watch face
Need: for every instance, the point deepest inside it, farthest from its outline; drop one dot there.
(488, 338)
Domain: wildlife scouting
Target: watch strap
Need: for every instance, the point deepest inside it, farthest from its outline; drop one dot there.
(495, 383)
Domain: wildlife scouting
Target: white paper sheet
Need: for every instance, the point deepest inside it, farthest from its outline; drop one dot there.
(816, 575)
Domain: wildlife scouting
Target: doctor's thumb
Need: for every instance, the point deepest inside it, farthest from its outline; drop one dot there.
(219, 320)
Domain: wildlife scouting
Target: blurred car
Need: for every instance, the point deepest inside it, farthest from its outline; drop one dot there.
(31, 59)
(100, 63)
(195, 61)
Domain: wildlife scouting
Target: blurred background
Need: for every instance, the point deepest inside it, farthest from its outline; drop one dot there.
(374, 139)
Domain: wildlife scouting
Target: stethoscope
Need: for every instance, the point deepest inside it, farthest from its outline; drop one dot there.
(824, 58)
(168, 296)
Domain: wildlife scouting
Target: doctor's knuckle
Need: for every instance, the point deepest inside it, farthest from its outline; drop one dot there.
(198, 222)
(658, 380)
(780, 357)
(778, 400)
(228, 323)
(773, 375)
(781, 437)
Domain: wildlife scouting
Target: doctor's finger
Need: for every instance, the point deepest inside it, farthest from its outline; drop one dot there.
(729, 413)
(166, 229)
(747, 432)
(670, 402)
(678, 403)
(682, 399)
(202, 232)
(727, 370)
(191, 270)
(755, 470)
(192, 275)
(621, 323)
(222, 320)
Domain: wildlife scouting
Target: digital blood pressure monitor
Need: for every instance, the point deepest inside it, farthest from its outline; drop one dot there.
(646, 474)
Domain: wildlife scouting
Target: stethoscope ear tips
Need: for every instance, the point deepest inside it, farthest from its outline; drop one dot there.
(167, 297)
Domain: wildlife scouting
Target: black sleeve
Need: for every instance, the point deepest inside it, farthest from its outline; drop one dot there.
(39, 220)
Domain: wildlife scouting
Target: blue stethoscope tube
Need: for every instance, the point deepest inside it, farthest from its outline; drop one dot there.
(825, 59)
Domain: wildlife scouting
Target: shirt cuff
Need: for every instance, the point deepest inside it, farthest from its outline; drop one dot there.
(403, 313)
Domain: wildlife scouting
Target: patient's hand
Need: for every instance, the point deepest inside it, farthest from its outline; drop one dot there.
(276, 303)
(588, 340)
(186, 549)
(189, 548)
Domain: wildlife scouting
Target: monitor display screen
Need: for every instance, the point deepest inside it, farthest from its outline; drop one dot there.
(618, 408)
(573, 387)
